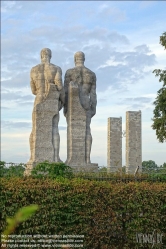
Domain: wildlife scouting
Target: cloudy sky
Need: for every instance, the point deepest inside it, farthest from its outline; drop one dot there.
(120, 40)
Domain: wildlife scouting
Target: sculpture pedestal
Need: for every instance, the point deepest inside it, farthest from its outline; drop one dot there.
(89, 168)
(76, 132)
(41, 137)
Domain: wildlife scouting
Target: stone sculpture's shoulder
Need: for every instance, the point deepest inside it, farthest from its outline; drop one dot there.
(56, 67)
(36, 69)
(53, 65)
(70, 71)
(89, 71)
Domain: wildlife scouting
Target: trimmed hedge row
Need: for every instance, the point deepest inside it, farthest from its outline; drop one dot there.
(109, 215)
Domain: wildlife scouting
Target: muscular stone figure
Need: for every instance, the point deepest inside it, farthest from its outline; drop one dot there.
(85, 79)
(46, 84)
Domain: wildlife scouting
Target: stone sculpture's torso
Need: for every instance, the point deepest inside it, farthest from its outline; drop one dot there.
(41, 76)
(85, 79)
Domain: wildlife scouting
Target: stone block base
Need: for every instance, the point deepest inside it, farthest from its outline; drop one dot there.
(114, 169)
(92, 167)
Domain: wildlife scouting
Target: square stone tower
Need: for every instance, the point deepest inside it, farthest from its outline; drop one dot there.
(114, 144)
(133, 141)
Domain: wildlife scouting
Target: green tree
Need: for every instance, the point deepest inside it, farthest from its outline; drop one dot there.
(124, 169)
(149, 166)
(103, 169)
(12, 170)
(159, 119)
(155, 173)
(164, 165)
(162, 168)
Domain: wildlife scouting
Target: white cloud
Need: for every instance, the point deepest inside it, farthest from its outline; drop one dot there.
(142, 49)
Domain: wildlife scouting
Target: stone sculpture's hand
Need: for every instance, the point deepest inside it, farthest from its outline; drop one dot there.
(41, 97)
(33, 87)
(58, 80)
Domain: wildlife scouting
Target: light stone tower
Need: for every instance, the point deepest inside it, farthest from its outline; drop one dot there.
(114, 144)
(133, 141)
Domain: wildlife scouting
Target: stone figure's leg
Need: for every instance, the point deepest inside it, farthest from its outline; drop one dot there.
(88, 139)
(68, 143)
(56, 137)
(31, 144)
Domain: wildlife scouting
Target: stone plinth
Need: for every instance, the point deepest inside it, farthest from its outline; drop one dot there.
(42, 134)
(91, 167)
(133, 141)
(76, 132)
(114, 144)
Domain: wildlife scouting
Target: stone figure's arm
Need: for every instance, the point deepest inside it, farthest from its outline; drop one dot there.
(58, 79)
(93, 97)
(66, 85)
(32, 83)
(59, 85)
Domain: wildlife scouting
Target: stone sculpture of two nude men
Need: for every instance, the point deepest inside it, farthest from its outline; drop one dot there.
(77, 97)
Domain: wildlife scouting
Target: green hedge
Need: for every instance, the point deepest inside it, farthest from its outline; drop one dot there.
(58, 170)
(108, 215)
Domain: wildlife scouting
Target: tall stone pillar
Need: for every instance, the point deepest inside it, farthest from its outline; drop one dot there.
(114, 144)
(76, 132)
(133, 142)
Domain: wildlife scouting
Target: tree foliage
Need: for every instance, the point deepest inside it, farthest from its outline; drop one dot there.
(154, 171)
(52, 170)
(103, 169)
(149, 166)
(12, 170)
(159, 119)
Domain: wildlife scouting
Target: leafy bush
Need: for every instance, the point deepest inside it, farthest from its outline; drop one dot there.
(51, 170)
(12, 170)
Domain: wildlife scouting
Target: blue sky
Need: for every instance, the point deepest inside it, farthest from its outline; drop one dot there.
(120, 40)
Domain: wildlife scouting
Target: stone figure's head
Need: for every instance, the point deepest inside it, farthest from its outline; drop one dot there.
(79, 58)
(45, 55)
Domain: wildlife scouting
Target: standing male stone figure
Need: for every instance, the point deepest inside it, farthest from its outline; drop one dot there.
(46, 84)
(85, 79)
